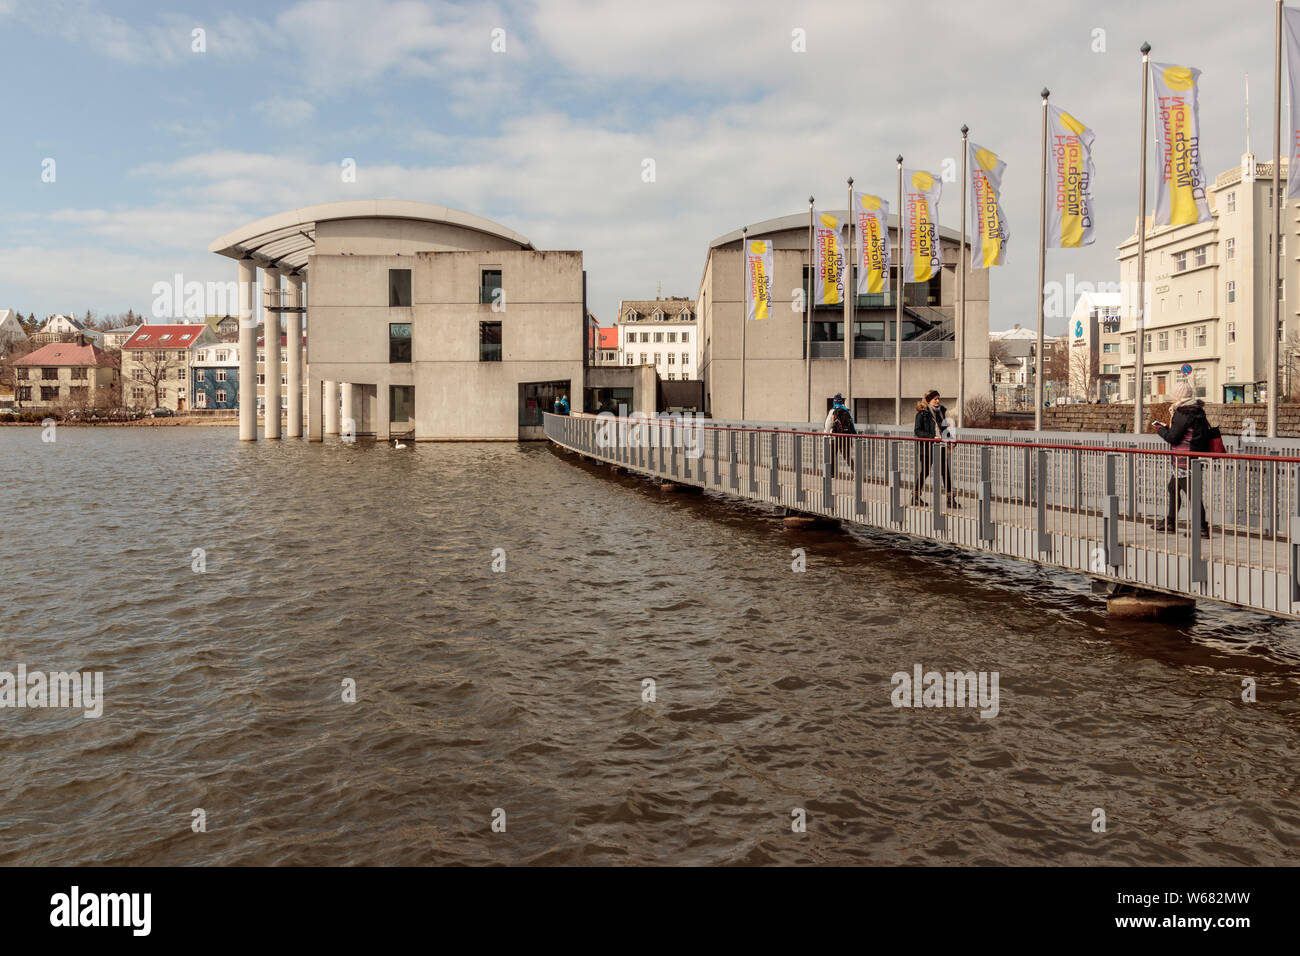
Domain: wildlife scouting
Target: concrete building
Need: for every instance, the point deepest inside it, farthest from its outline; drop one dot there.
(116, 338)
(156, 363)
(1094, 362)
(1207, 298)
(425, 320)
(663, 332)
(775, 382)
(64, 374)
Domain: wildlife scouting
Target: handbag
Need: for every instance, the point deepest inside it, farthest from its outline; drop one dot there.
(1216, 441)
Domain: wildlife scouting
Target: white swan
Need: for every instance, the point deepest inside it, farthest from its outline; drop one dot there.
(397, 443)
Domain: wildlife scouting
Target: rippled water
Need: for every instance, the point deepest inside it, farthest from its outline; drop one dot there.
(522, 690)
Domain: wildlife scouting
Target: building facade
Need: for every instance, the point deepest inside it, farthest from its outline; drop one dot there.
(1095, 341)
(775, 374)
(662, 332)
(65, 328)
(156, 362)
(64, 375)
(1207, 302)
(423, 320)
(214, 373)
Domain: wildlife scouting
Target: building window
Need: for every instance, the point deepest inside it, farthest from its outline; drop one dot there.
(489, 341)
(1146, 342)
(284, 380)
(24, 393)
(645, 336)
(1180, 339)
(22, 374)
(1232, 331)
(1200, 255)
(1232, 291)
(672, 336)
(659, 336)
(672, 358)
(1198, 337)
(1230, 249)
(49, 373)
(261, 357)
(399, 288)
(491, 290)
(657, 355)
(261, 378)
(1180, 262)
(221, 394)
(399, 342)
(49, 393)
(1231, 201)
(1232, 373)
(631, 360)
(79, 373)
(643, 358)
(686, 358)
(1132, 346)
(1198, 382)
(221, 375)
(686, 336)
(223, 356)
(1162, 341)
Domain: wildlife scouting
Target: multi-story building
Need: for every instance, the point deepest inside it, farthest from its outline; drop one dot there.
(662, 332)
(64, 374)
(116, 338)
(65, 328)
(425, 320)
(156, 363)
(1094, 356)
(607, 346)
(1011, 364)
(214, 372)
(284, 373)
(1207, 302)
(775, 373)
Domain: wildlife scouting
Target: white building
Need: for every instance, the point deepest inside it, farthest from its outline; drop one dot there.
(11, 330)
(156, 363)
(1094, 358)
(660, 332)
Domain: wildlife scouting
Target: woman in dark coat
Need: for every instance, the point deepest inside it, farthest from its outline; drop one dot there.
(1188, 430)
(931, 419)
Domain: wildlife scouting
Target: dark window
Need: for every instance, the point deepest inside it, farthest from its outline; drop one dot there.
(489, 341)
(399, 341)
(490, 286)
(401, 403)
(399, 287)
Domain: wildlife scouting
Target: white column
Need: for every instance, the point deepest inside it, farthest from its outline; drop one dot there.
(313, 409)
(349, 407)
(247, 277)
(271, 345)
(331, 408)
(293, 336)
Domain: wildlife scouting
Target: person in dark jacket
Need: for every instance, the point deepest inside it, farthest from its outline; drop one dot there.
(1188, 430)
(931, 422)
(840, 422)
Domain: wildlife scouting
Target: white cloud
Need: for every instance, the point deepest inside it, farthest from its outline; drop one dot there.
(284, 110)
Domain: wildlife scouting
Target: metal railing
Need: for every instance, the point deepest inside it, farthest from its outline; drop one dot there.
(912, 348)
(1081, 506)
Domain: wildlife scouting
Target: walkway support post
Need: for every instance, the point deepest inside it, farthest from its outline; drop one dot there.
(246, 270)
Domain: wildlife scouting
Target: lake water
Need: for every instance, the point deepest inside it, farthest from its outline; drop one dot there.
(522, 690)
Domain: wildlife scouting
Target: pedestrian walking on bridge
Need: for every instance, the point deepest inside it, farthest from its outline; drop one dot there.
(931, 422)
(1190, 431)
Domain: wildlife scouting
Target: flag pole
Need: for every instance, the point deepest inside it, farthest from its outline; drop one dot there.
(849, 295)
(898, 306)
(808, 311)
(1139, 336)
(1275, 260)
(1040, 361)
(744, 313)
(961, 286)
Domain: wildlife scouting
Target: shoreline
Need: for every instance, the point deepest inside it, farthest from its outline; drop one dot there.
(139, 423)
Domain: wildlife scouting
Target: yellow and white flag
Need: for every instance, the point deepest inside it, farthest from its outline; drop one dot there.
(828, 245)
(1180, 185)
(871, 214)
(1069, 191)
(1292, 17)
(990, 234)
(921, 190)
(758, 279)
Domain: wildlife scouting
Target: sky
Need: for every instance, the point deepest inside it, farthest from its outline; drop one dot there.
(158, 147)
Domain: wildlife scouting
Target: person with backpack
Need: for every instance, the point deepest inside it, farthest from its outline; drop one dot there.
(1188, 430)
(931, 422)
(840, 422)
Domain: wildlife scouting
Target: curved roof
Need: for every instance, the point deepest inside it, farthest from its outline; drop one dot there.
(800, 221)
(286, 239)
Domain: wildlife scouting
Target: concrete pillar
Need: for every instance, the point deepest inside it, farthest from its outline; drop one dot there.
(313, 409)
(247, 278)
(382, 414)
(349, 409)
(271, 346)
(331, 416)
(293, 336)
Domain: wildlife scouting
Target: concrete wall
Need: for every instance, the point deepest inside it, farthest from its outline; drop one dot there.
(776, 384)
(1116, 418)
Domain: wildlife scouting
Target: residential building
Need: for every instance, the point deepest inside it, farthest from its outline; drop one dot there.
(1207, 302)
(64, 375)
(65, 328)
(11, 330)
(607, 346)
(156, 362)
(1094, 357)
(284, 374)
(775, 371)
(116, 338)
(214, 375)
(424, 320)
(663, 332)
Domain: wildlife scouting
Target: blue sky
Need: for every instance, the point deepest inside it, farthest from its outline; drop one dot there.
(159, 149)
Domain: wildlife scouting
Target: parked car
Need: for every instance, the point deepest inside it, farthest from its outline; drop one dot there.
(161, 412)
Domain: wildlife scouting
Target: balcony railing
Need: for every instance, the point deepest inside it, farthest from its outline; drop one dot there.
(943, 349)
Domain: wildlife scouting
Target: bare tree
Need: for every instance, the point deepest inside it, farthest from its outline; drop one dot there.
(154, 369)
(1083, 373)
(8, 370)
(1055, 368)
